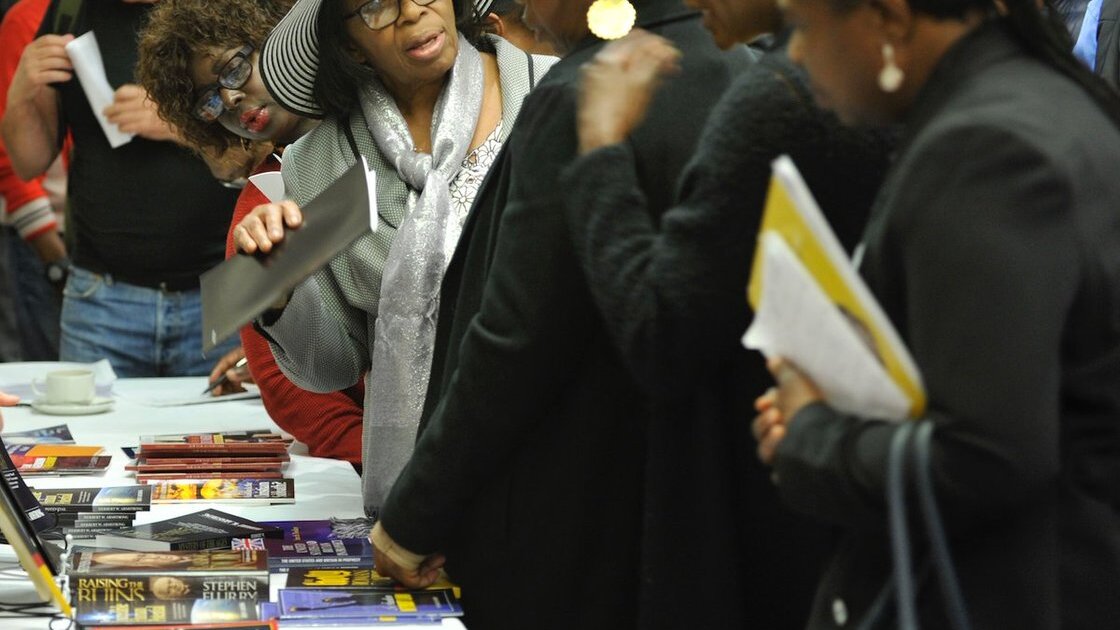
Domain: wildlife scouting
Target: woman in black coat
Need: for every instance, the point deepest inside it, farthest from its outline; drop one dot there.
(994, 248)
(671, 292)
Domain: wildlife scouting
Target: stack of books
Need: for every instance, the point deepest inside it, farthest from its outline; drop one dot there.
(241, 466)
(111, 587)
(86, 512)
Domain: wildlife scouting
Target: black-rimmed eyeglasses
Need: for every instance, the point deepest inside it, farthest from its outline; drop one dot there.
(377, 14)
(233, 75)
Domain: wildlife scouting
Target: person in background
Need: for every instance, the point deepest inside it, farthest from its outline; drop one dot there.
(671, 292)
(37, 255)
(199, 61)
(994, 248)
(403, 85)
(503, 18)
(147, 217)
(529, 473)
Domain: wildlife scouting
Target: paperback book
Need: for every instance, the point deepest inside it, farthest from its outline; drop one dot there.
(99, 562)
(112, 499)
(236, 490)
(209, 529)
(58, 434)
(345, 578)
(271, 611)
(58, 459)
(321, 543)
(160, 612)
(366, 603)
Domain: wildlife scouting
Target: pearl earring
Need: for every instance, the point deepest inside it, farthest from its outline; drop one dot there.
(891, 76)
(611, 19)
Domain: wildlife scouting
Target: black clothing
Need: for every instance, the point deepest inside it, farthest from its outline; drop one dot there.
(994, 247)
(673, 299)
(1108, 43)
(528, 469)
(146, 212)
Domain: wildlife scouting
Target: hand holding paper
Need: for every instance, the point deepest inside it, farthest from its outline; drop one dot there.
(812, 308)
(86, 58)
(133, 112)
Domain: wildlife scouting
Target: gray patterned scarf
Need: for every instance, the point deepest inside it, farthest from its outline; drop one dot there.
(404, 332)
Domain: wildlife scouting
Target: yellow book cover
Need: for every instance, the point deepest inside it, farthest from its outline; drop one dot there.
(792, 214)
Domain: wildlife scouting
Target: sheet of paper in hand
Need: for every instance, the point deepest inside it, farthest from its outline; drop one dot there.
(812, 307)
(243, 287)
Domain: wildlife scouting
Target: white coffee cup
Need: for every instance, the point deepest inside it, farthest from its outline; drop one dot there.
(66, 387)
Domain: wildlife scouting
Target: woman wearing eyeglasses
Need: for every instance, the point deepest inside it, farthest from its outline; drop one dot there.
(198, 61)
(398, 82)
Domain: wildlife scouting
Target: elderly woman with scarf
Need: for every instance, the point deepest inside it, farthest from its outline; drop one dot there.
(399, 84)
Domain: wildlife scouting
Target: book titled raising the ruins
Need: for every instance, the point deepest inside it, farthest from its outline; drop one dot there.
(209, 529)
(104, 577)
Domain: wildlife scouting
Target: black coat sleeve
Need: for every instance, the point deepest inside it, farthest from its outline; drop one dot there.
(672, 291)
(977, 265)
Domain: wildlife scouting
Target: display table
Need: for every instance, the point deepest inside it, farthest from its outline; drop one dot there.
(324, 487)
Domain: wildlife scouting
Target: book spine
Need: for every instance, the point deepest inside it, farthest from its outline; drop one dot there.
(233, 474)
(175, 611)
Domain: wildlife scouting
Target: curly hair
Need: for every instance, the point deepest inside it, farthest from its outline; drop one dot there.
(175, 32)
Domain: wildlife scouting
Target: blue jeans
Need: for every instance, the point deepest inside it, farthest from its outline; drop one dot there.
(142, 331)
(37, 303)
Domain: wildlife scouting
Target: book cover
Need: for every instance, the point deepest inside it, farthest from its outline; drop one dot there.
(160, 587)
(96, 562)
(38, 519)
(812, 307)
(351, 578)
(58, 434)
(318, 543)
(58, 459)
(237, 490)
(209, 529)
(366, 603)
(190, 611)
(271, 611)
(111, 499)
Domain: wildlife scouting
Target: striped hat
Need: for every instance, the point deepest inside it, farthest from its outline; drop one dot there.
(289, 59)
(484, 7)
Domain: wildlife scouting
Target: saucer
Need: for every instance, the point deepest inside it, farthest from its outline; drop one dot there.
(99, 404)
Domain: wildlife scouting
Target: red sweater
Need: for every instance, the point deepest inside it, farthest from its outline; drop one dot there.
(329, 424)
(27, 206)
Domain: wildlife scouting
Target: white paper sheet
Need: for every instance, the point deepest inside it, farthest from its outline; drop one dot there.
(796, 320)
(271, 185)
(86, 57)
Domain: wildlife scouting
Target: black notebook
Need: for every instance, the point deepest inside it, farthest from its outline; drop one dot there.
(243, 287)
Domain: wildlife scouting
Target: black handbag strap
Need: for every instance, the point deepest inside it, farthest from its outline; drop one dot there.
(911, 444)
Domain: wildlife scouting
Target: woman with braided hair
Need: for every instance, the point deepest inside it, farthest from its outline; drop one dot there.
(994, 247)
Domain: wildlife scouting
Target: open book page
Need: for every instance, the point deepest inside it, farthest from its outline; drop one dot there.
(792, 215)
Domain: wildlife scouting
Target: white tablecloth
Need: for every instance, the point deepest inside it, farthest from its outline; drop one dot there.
(324, 487)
